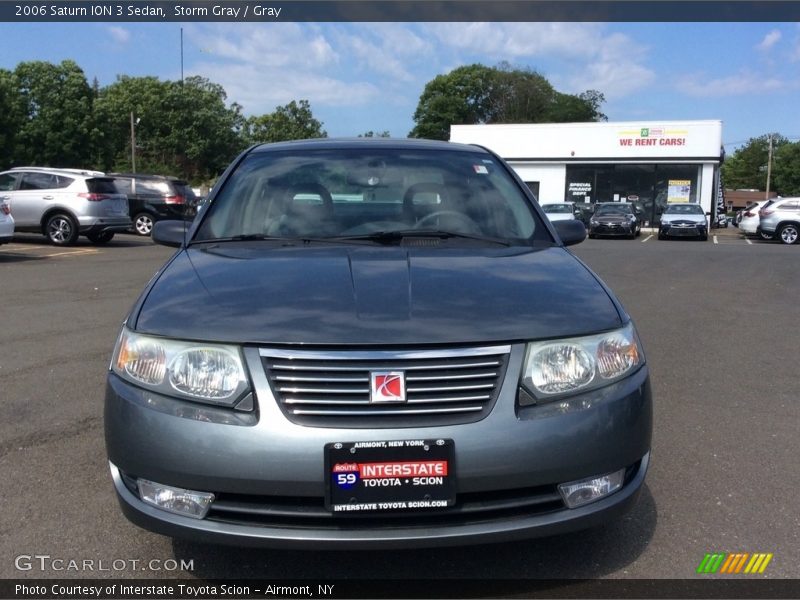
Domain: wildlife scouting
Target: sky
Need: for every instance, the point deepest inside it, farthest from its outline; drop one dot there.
(369, 76)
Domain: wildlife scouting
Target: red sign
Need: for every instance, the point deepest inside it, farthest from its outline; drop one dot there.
(403, 469)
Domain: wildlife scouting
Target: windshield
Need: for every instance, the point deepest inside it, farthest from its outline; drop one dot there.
(613, 209)
(684, 209)
(344, 191)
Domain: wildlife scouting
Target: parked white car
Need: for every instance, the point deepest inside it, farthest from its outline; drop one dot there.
(6, 223)
(748, 225)
(559, 211)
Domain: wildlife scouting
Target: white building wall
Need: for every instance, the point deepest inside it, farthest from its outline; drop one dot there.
(707, 194)
(552, 179)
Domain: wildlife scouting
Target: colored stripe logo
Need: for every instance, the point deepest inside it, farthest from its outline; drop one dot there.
(734, 563)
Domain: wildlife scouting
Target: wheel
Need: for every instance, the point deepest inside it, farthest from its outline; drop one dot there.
(100, 238)
(592, 236)
(61, 230)
(789, 233)
(143, 224)
(661, 236)
(764, 235)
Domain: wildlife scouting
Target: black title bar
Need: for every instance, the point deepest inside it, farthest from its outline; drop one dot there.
(401, 11)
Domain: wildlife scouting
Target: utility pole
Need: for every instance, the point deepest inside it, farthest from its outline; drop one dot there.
(769, 166)
(133, 145)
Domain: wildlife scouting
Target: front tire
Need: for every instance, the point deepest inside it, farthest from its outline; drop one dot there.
(765, 236)
(61, 230)
(789, 234)
(143, 224)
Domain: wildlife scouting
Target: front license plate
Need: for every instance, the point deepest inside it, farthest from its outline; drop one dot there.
(389, 476)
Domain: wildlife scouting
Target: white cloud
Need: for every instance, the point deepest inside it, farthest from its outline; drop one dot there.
(592, 58)
(772, 38)
(386, 49)
(259, 90)
(120, 35)
(354, 64)
(744, 82)
(280, 45)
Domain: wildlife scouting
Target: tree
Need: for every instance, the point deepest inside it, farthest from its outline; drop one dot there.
(182, 128)
(746, 168)
(786, 169)
(11, 118)
(477, 94)
(293, 121)
(56, 126)
(462, 96)
(370, 133)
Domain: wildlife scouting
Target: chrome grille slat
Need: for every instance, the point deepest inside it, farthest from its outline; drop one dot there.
(331, 388)
(328, 390)
(322, 379)
(436, 367)
(415, 378)
(450, 388)
(372, 413)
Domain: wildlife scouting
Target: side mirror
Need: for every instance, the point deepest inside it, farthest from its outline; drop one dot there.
(571, 232)
(169, 233)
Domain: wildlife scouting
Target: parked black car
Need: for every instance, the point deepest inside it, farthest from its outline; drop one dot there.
(375, 343)
(615, 218)
(152, 198)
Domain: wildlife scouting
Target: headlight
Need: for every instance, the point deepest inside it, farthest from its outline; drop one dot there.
(559, 367)
(212, 373)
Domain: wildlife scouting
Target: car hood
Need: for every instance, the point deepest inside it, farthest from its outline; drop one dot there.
(370, 295)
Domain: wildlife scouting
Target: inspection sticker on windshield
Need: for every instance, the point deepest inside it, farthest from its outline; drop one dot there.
(481, 169)
(386, 476)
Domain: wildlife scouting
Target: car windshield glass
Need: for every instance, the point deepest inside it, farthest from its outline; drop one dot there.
(612, 209)
(347, 192)
(684, 209)
(557, 208)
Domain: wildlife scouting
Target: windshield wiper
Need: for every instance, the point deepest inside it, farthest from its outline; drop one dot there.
(400, 234)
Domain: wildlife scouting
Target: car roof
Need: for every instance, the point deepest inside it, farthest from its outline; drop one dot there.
(145, 176)
(388, 143)
(62, 171)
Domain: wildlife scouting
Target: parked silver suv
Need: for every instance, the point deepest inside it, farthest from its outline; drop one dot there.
(780, 218)
(64, 203)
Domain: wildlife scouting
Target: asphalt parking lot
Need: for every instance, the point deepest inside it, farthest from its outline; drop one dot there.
(718, 320)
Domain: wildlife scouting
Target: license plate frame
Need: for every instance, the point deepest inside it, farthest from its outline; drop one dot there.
(409, 476)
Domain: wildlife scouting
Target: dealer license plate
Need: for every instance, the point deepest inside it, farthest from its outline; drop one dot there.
(389, 476)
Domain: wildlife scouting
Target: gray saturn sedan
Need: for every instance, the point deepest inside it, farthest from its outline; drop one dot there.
(375, 343)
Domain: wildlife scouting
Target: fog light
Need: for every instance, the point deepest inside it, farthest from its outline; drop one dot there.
(578, 493)
(175, 500)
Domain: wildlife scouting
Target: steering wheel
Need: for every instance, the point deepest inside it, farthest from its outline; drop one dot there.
(470, 226)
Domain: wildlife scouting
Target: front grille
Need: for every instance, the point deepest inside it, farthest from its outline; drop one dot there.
(332, 389)
(306, 512)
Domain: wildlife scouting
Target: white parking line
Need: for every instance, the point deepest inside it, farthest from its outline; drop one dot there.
(748, 241)
(647, 238)
(716, 241)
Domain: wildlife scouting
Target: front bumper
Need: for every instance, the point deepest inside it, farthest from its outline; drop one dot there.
(269, 477)
(669, 230)
(601, 229)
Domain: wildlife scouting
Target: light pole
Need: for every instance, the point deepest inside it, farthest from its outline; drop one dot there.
(769, 167)
(133, 144)
(134, 123)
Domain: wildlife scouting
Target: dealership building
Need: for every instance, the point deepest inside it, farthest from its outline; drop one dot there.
(652, 162)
